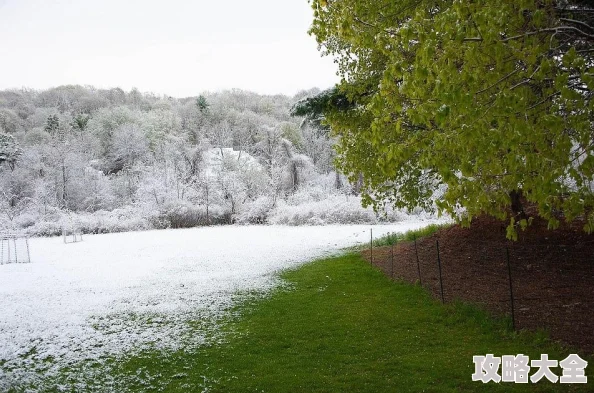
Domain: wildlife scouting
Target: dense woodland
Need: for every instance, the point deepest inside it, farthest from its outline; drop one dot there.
(108, 160)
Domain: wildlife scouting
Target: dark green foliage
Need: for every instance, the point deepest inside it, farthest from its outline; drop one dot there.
(52, 125)
(467, 103)
(313, 108)
(10, 150)
(80, 121)
(202, 104)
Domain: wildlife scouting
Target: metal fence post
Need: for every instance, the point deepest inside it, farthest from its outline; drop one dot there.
(28, 252)
(392, 259)
(16, 257)
(418, 264)
(439, 266)
(511, 289)
(371, 245)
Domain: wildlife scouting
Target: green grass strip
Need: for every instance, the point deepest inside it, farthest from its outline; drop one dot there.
(408, 236)
(342, 326)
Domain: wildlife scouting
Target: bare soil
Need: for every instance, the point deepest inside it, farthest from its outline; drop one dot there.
(552, 274)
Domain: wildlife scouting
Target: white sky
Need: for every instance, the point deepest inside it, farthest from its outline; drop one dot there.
(175, 47)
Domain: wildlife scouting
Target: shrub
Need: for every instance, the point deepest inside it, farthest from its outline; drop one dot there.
(335, 209)
(183, 215)
(256, 212)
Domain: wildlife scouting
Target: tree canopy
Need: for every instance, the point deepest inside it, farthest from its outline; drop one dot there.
(473, 105)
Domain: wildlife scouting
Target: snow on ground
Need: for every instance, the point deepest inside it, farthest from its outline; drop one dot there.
(117, 293)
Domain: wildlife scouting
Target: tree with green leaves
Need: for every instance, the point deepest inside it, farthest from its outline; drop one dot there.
(480, 106)
(79, 122)
(52, 125)
(202, 104)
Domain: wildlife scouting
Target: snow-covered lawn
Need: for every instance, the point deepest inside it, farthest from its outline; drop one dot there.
(119, 293)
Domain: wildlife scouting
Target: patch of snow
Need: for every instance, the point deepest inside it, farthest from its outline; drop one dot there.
(123, 292)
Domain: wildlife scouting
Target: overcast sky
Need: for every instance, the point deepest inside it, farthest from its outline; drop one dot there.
(174, 47)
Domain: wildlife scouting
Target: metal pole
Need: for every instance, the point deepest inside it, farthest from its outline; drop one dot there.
(439, 266)
(371, 245)
(511, 289)
(28, 254)
(392, 258)
(16, 257)
(418, 264)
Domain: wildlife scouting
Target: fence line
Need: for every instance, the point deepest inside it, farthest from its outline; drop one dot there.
(392, 261)
(371, 244)
(418, 263)
(537, 284)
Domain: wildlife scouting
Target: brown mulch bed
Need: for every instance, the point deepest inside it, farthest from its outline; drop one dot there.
(552, 274)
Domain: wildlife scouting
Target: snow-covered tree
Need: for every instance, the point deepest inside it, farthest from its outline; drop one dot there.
(213, 158)
(9, 150)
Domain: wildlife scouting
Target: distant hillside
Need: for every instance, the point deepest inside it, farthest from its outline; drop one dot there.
(108, 160)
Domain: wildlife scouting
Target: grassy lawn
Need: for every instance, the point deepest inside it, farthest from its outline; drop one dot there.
(407, 236)
(341, 326)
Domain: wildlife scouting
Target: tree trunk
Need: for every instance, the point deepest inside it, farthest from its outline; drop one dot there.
(516, 204)
(358, 185)
(338, 181)
(207, 213)
(295, 176)
(64, 196)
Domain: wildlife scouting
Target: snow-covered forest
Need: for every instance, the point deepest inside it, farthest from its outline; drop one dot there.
(105, 160)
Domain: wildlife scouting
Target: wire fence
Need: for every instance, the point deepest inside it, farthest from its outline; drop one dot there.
(539, 285)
